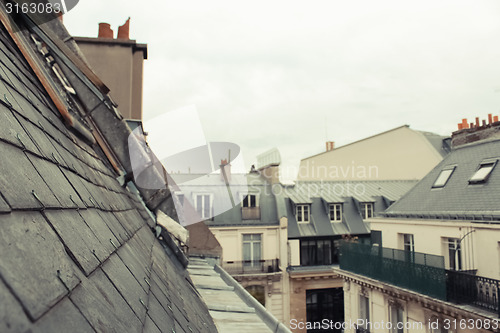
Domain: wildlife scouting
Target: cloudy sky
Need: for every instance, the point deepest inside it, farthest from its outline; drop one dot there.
(292, 74)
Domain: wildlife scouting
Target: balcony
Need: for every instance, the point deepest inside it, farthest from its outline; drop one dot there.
(420, 272)
(467, 288)
(251, 267)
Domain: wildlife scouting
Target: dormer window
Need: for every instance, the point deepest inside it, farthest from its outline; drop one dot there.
(483, 172)
(250, 207)
(203, 205)
(250, 201)
(336, 212)
(366, 210)
(303, 213)
(443, 177)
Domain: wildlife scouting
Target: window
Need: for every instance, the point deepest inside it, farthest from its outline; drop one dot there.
(324, 304)
(336, 212)
(250, 201)
(396, 317)
(319, 252)
(203, 205)
(443, 178)
(364, 313)
(366, 210)
(482, 173)
(252, 249)
(455, 254)
(303, 213)
(408, 243)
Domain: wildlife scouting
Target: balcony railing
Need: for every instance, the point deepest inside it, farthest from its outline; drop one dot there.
(467, 288)
(251, 266)
(250, 213)
(420, 272)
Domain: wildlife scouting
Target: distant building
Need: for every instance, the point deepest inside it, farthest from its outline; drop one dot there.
(398, 154)
(320, 216)
(435, 257)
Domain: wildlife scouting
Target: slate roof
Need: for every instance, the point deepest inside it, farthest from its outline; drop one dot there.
(457, 199)
(78, 252)
(349, 193)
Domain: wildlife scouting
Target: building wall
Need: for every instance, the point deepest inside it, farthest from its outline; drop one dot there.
(401, 153)
(417, 317)
(231, 240)
(298, 289)
(120, 66)
(430, 235)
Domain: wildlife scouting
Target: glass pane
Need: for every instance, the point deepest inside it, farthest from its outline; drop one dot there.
(253, 201)
(206, 206)
(256, 251)
(199, 204)
(443, 178)
(246, 251)
(482, 173)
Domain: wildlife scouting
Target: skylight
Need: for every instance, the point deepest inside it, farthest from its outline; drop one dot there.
(443, 177)
(482, 174)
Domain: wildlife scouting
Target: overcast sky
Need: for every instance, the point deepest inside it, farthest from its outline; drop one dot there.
(292, 74)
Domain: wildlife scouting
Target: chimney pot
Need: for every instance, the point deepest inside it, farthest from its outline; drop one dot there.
(105, 31)
(477, 121)
(330, 145)
(460, 126)
(495, 119)
(490, 118)
(123, 31)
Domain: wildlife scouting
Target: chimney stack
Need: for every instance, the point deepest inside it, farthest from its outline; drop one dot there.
(330, 145)
(123, 31)
(476, 131)
(105, 31)
(225, 171)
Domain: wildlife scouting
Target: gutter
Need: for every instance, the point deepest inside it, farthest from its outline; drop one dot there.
(270, 320)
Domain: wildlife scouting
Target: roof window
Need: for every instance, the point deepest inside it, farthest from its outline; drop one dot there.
(443, 177)
(483, 172)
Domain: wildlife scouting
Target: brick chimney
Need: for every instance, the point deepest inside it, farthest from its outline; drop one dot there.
(123, 31)
(476, 131)
(105, 31)
(330, 145)
(225, 171)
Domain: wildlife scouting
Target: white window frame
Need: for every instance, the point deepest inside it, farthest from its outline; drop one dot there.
(483, 172)
(299, 212)
(333, 208)
(443, 177)
(210, 203)
(397, 306)
(409, 239)
(365, 208)
(457, 255)
(251, 242)
(367, 309)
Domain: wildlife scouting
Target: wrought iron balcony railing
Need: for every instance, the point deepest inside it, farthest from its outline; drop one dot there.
(251, 266)
(420, 272)
(479, 291)
(423, 273)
